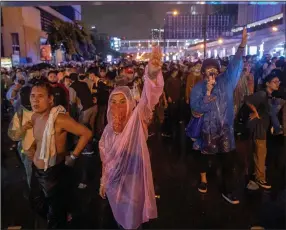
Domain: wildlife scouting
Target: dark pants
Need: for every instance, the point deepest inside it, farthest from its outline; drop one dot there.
(86, 165)
(226, 162)
(101, 119)
(172, 118)
(48, 194)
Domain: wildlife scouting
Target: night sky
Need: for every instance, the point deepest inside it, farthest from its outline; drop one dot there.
(133, 21)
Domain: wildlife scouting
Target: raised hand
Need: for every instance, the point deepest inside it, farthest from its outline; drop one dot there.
(155, 62)
(244, 38)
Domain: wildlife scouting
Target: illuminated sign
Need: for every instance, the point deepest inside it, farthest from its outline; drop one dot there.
(45, 53)
(6, 63)
(252, 50)
(15, 59)
(109, 58)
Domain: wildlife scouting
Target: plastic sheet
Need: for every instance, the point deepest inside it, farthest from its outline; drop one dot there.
(127, 174)
(218, 109)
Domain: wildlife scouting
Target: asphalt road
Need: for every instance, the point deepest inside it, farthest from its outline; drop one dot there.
(176, 177)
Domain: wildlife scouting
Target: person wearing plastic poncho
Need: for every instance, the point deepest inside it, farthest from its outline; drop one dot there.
(126, 169)
(213, 100)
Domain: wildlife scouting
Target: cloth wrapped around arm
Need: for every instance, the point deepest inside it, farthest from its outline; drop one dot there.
(152, 90)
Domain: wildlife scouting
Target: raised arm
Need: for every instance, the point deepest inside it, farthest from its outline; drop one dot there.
(68, 124)
(152, 90)
(235, 66)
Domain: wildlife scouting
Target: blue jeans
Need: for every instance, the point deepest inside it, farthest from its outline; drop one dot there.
(27, 163)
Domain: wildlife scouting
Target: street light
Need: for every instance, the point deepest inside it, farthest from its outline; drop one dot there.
(220, 41)
(274, 28)
(202, 46)
(175, 13)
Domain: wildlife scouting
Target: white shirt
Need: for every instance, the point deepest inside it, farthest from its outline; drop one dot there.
(28, 138)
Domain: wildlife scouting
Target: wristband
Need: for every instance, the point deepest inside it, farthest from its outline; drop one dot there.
(73, 156)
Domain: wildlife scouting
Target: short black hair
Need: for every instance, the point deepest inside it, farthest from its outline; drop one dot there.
(52, 71)
(270, 77)
(45, 85)
(74, 76)
(93, 70)
(280, 63)
(210, 62)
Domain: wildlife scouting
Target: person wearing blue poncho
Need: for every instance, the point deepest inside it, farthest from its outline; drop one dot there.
(213, 100)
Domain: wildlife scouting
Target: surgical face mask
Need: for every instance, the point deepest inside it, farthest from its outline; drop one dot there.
(119, 115)
(82, 77)
(211, 72)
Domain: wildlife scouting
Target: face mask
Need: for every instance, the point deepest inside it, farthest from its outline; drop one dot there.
(213, 72)
(53, 83)
(119, 116)
(81, 77)
(21, 82)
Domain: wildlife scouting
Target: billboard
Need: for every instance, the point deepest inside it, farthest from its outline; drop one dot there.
(15, 59)
(45, 53)
(6, 62)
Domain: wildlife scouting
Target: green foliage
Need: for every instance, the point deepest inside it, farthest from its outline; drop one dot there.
(75, 38)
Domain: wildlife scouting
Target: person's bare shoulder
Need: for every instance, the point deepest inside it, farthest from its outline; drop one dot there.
(34, 117)
(62, 117)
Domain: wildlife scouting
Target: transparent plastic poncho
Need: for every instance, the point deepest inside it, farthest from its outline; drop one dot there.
(217, 134)
(127, 174)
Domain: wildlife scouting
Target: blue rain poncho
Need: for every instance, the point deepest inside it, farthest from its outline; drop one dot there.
(217, 133)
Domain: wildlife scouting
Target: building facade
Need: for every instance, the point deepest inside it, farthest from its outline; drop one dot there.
(191, 26)
(255, 11)
(24, 29)
(157, 34)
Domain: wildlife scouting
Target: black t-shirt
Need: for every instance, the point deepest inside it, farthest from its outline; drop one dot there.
(101, 93)
(83, 93)
(60, 97)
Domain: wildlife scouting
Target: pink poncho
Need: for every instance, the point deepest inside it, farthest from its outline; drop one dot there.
(127, 174)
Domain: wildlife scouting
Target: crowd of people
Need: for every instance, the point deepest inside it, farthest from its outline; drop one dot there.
(61, 113)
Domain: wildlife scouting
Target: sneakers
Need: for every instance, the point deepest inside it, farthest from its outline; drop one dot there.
(165, 135)
(263, 184)
(230, 198)
(203, 187)
(82, 186)
(252, 185)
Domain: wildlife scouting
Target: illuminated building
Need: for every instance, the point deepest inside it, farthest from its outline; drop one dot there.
(115, 43)
(157, 33)
(190, 26)
(266, 29)
(24, 28)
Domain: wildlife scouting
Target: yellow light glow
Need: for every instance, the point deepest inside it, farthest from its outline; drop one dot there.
(220, 41)
(175, 12)
(202, 45)
(274, 28)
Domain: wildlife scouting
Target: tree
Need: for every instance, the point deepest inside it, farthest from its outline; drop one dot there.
(74, 37)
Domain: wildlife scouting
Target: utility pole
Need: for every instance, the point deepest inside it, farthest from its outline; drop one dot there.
(164, 38)
(205, 17)
(284, 22)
